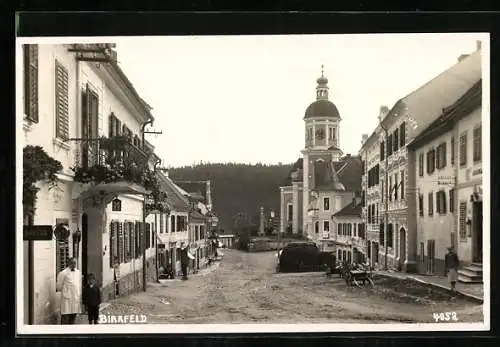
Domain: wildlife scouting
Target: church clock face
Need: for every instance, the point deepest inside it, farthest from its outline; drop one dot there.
(320, 134)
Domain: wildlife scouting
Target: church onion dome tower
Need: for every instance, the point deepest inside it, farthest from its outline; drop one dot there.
(322, 107)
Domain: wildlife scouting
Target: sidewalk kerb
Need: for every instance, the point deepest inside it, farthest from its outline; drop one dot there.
(463, 294)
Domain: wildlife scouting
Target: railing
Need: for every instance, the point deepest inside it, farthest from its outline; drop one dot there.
(105, 160)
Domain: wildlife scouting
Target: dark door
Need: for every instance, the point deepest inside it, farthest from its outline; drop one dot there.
(431, 250)
(478, 231)
(85, 240)
(402, 247)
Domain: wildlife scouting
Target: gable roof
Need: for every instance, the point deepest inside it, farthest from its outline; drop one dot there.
(466, 104)
(351, 210)
(175, 200)
(197, 189)
(426, 103)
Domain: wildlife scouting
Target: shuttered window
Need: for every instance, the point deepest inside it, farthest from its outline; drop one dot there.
(126, 241)
(441, 202)
(111, 125)
(476, 149)
(389, 145)
(113, 244)
(161, 223)
(62, 249)
(421, 164)
(137, 239)
(61, 102)
(452, 150)
(430, 203)
(132, 245)
(431, 161)
(396, 140)
(172, 224)
(402, 134)
(441, 156)
(148, 235)
(382, 150)
(462, 226)
(402, 184)
(421, 205)
(121, 243)
(463, 149)
(31, 82)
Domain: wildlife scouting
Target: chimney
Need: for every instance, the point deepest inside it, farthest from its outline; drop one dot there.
(384, 110)
(478, 45)
(364, 138)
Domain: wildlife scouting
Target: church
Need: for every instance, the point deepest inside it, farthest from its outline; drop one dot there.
(323, 181)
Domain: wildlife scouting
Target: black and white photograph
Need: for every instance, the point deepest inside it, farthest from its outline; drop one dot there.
(253, 183)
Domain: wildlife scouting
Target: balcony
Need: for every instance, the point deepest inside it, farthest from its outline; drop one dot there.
(115, 166)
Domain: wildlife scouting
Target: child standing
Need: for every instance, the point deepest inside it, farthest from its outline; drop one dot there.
(92, 299)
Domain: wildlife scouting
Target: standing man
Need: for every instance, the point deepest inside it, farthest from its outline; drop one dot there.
(69, 284)
(184, 261)
(451, 264)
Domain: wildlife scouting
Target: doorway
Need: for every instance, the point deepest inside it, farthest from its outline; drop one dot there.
(477, 215)
(402, 247)
(431, 252)
(85, 240)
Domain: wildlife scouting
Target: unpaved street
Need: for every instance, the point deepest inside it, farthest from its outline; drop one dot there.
(244, 288)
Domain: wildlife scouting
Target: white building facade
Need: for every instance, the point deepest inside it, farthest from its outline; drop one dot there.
(70, 103)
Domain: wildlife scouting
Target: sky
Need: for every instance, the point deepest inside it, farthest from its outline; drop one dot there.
(242, 98)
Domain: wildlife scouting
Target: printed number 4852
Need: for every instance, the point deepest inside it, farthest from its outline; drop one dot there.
(445, 316)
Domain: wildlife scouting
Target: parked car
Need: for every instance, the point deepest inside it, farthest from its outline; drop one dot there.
(300, 257)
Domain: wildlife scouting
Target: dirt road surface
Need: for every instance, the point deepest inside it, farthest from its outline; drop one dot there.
(245, 288)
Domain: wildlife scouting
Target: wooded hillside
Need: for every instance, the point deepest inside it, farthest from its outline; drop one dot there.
(238, 189)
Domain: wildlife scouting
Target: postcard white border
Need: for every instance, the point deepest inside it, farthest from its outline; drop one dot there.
(22, 329)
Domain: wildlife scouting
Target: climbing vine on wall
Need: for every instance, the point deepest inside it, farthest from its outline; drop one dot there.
(37, 166)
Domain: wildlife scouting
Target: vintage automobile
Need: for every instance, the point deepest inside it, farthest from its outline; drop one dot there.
(303, 256)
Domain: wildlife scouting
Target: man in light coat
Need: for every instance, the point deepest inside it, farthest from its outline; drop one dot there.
(69, 284)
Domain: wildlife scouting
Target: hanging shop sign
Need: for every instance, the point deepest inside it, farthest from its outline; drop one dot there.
(37, 232)
(116, 205)
(62, 231)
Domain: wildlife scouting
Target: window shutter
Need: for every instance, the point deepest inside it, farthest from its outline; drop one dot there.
(121, 243)
(443, 161)
(452, 200)
(137, 236)
(111, 125)
(443, 194)
(402, 134)
(148, 235)
(463, 149)
(31, 82)
(452, 150)
(463, 206)
(118, 126)
(396, 140)
(431, 203)
(61, 94)
(113, 255)
(132, 240)
(126, 241)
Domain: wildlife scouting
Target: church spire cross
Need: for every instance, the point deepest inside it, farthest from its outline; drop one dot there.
(322, 66)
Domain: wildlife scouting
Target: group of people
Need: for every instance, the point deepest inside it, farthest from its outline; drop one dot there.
(73, 294)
